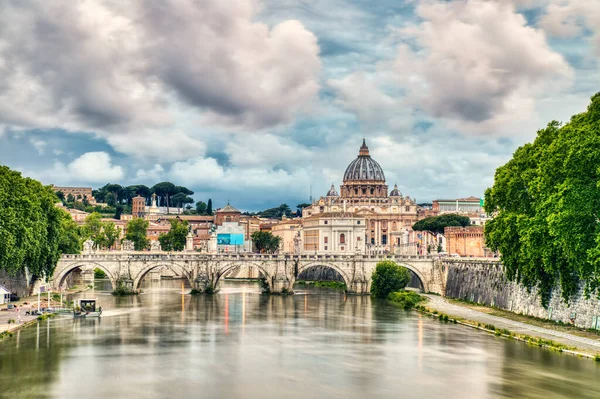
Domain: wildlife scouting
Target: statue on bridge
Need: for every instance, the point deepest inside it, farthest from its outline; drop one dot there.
(128, 245)
(88, 246)
(155, 246)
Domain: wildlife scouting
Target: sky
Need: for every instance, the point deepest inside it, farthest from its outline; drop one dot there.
(255, 102)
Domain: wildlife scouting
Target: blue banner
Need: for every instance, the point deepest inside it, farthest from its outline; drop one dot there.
(230, 239)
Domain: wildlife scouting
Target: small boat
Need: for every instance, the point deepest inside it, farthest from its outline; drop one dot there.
(86, 308)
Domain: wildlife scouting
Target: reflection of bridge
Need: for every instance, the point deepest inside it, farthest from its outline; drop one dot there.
(280, 271)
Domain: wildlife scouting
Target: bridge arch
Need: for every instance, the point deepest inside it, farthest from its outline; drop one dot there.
(175, 267)
(223, 270)
(304, 267)
(415, 270)
(60, 276)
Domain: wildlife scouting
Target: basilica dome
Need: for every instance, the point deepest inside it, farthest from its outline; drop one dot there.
(364, 168)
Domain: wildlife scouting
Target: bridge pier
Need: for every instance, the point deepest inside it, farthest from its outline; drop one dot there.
(359, 287)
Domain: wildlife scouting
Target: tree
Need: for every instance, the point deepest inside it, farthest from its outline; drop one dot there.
(201, 208)
(30, 225)
(175, 239)
(70, 236)
(136, 232)
(300, 207)
(436, 224)
(277, 212)
(209, 210)
(180, 199)
(116, 190)
(60, 195)
(118, 211)
(165, 190)
(111, 234)
(70, 198)
(546, 201)
(388, 277)
(265, 241)
(92, 229)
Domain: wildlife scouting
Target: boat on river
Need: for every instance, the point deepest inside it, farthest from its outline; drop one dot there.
(86, 308)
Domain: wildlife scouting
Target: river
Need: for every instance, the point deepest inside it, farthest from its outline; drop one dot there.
(241, 344)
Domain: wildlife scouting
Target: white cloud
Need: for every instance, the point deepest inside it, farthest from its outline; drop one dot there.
(123, 70)
(89, 168)
(39, 145)
(569, 18)
(150, 176)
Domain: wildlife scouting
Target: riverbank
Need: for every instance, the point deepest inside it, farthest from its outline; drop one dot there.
(559, 337)
(9, 322)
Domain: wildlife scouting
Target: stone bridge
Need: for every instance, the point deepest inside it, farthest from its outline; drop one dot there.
(206, 270)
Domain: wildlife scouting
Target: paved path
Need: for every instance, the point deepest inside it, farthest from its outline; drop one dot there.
(442, 305)
(6, 315)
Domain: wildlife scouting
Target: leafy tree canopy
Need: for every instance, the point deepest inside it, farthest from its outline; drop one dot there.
(265, 241)
(30, 225)
(436, 224)
(136, 232)
(388, 277)
(547, 204)
(175, 239)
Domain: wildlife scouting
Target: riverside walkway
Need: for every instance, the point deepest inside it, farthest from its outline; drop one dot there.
(463, 312)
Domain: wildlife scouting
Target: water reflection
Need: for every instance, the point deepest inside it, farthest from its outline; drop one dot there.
(317, 343)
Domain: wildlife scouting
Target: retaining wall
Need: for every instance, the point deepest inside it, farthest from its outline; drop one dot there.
(484, 282)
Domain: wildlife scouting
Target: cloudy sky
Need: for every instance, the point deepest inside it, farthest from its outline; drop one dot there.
(255, 101)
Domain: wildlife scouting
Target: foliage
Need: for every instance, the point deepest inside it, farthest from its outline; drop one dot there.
(436, 224)
(546, 200)
(118, 211)
(277, 212)
(201, 208)
(60, 195)
(123, 290)
(136, 232)
(338, 285)
(388, 277)
(265, 241)
(70, 241)
(175, 239)
(300, 207)
(103, 234)
(180, 199)
(265, 288)
(30, 225)
(164, 190)
(406, 299)
(209, 208)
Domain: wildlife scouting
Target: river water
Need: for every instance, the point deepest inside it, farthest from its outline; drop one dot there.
(241, 344)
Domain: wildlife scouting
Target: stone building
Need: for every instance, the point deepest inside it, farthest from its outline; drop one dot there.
(470, 206)
(78, 193)
(333, 232)
(364, 193)
(467, 241)
(227, 214)
(290, 232)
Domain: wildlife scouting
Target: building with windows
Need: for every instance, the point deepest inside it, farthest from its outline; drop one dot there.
(333, 232)
(364, 194)
(78, 193)
(470, 206)
(467, 241)
(290, 232)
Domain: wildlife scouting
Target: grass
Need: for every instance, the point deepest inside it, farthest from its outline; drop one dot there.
(406, 299)
(338, 285)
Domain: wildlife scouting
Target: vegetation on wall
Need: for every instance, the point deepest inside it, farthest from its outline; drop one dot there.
(547, 204)
(388, 277)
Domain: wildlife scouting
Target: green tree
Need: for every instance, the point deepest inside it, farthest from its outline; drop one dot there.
(136, 232)
(388, 277)
(60, 195)
(300, 207)
(116, 190)
(436, 224)
(70, 198)
(92, 229)
(209, 209)
(265, 241)
(174, 240)
(30, 225)
(70, 237)
(111, 234)
(546, 201)
(201, 208)
(180, 199)
(118, 211)
(165, 190)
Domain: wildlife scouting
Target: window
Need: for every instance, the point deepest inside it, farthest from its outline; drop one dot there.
(325, 247)
(372, 240)
(372, 224)
(395, 226)
(407, 208)
(372, 191)
(384, 239)
(342, 238)
(358, 222)
(356, 191)
(325, 222)
(364, 190)
(228, 218)
(325, 240)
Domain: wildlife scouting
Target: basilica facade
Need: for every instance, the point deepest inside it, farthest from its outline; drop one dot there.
(363, 194)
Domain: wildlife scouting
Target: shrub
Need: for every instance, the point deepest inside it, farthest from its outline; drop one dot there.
(388, 277)
(99, 273)
(406, 299)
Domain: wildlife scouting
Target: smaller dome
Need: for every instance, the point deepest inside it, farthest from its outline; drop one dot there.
(332, 192)
(395, 192)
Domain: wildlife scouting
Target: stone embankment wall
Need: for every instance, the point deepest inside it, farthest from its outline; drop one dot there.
(16, 284)
(484, 282)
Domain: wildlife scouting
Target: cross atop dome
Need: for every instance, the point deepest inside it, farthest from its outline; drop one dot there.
(364, 150)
